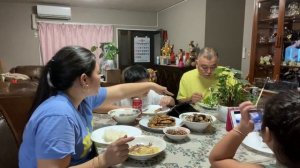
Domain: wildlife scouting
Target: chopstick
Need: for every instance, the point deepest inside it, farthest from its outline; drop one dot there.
(259, 96)
(268, 78)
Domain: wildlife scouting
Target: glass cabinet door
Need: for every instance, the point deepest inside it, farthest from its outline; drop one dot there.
(275, 50)
(267, 32)
(290, 55)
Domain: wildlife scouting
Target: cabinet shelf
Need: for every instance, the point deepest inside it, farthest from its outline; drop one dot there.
(292, 18)
(263, 66)
(286, 18)
(270, 27)
(287, 66)
(266, 44)
(268, 20)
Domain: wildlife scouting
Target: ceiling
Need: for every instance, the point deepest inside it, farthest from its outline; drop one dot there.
(136, 5)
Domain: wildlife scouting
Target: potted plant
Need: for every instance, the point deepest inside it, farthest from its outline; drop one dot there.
(110, 50)
(229, 91)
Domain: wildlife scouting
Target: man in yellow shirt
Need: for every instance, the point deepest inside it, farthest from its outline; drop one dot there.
(194, 85)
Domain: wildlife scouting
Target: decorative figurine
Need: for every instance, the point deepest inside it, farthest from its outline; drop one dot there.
(268, 59)
(283, 63)
(180, 55)
(293, 9)
(152, 75)
(191, 61)
(166, 49)
(172, 55)
(265, 60)
(292, 63)
(274, 10)
(261, 60)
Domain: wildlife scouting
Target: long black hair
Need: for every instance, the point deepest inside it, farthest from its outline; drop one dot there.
(61, 71)
(282, 117)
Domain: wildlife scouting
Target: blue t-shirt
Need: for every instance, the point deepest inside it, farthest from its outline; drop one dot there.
(56, 129)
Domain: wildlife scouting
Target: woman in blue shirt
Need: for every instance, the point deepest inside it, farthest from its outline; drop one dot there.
(58, 133)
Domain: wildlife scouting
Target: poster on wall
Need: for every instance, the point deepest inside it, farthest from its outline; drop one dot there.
(141, 49)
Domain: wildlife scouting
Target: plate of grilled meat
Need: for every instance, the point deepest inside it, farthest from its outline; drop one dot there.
(159, 122)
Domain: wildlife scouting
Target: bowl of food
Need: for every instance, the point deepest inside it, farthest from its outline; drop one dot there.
(197, 121)
(176, 133)
(145, 147)
(124, 115)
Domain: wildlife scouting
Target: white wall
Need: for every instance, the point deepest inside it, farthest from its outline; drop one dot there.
(247, 37)
(184, 22)
(224, 30)
(19, 46)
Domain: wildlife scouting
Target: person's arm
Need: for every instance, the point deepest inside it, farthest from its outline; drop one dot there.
(183, 95)
(196, 97)
(116, 153)
(167, 101)
(222, 154)
(121, 91)
(62, 163)
(104, 108)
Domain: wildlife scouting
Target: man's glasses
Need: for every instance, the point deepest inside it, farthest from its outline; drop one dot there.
(206, 68)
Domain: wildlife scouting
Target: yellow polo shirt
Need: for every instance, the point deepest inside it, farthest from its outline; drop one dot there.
(192, 82)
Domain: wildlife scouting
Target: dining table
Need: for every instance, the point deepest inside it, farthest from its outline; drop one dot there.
(192, 152)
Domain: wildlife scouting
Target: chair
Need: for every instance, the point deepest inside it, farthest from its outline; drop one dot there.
(17, 107)
(8, 142)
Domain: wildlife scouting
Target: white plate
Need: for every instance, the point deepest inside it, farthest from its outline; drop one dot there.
(145, 140)
(206, 106)
(150, 110)
(144, 122)
(98, 135)
(254, 140)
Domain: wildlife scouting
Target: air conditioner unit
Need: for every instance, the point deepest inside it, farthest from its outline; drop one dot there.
(54, 12)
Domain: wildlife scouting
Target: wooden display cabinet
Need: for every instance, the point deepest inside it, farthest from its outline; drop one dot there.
(270, 36)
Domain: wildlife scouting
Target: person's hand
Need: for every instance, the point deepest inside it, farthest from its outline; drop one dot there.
(117, 152)
(166, 100)
(246, 125)
(161, 90)
(196, 97)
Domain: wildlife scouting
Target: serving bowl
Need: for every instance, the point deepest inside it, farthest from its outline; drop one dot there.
(197, 125)
(148, 141)
(176, 133)
(124, 115)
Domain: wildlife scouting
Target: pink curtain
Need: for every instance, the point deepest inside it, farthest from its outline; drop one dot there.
(54, 36)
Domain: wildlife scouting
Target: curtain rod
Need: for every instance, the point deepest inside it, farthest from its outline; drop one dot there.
(40, 21)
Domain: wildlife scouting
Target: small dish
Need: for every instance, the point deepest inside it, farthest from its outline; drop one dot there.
(176, 133)
(124, 115)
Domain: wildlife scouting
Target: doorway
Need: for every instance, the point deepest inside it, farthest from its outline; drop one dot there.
(138, 47)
